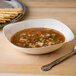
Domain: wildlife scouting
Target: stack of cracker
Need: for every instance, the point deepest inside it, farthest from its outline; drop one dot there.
(7, 14)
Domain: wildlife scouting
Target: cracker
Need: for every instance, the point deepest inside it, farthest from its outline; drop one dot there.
(11, 10)
(2, 21)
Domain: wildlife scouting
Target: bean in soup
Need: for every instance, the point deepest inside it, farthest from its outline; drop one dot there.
(37, 37)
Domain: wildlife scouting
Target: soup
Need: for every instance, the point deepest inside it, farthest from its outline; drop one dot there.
(37, 37)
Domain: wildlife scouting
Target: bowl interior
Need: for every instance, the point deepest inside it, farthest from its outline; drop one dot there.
(11, 29)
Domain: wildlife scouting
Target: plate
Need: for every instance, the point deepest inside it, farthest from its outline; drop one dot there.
(12, 4)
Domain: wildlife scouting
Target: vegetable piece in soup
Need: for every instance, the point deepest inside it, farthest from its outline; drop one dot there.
(37, 37)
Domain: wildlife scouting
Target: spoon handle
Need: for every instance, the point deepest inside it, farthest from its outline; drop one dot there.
(49, 66)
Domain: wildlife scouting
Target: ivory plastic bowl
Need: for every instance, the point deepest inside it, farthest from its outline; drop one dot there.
(11, 29)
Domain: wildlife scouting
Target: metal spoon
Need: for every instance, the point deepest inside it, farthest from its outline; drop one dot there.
(49, 66)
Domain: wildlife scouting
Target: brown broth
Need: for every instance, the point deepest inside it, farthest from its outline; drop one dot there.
(37, 37)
